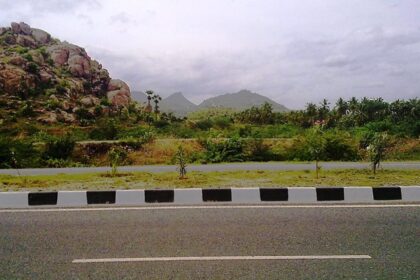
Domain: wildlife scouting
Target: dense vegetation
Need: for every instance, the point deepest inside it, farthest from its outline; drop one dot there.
(256, 134)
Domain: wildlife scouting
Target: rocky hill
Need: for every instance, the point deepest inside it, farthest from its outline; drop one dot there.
(56, 79)
(241, 100)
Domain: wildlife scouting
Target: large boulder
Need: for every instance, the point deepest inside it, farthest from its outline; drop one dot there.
(48, 118)
(25, 28)
(26, 41)
(75, 57)
(89, 101)
(45, 76)
(59, 54)
(15, 27)
(41, 36)
(116, 84)
(12, 78)
(21, 28)
(17, 60)
(66, 117)
(79, 66)
(118, 93)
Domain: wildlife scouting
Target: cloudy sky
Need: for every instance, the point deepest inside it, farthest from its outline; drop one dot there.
(293, 51)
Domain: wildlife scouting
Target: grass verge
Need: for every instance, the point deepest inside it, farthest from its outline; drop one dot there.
(143, 180)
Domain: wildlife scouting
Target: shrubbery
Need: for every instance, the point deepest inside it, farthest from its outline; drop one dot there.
(230, 150)
(59, 147)
(258, 151)
(336, 146)
(18, 154)
(105, 130)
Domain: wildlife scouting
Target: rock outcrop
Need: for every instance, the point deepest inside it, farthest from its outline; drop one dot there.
(118, 93)
(34, 63)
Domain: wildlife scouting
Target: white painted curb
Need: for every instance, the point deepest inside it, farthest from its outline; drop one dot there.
(129, 197)
(71, 198)
(411, 193)
(358, 194)
(302, 195)
(188, 196)
(14, 200)
(246, 195)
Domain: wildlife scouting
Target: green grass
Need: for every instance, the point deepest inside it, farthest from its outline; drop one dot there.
(143, 180)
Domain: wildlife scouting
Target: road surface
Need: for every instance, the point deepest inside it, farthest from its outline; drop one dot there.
(212, 242)
(273, 166)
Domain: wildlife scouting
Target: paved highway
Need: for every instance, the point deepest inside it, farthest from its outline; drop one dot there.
(338, 242)
(269, 166)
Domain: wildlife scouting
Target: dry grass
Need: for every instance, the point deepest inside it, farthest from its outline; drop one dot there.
(162, 151)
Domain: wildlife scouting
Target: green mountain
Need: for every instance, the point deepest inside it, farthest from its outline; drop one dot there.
(241, 100)
(178, 105)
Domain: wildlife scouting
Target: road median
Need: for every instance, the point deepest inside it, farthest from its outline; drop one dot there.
(207, 196)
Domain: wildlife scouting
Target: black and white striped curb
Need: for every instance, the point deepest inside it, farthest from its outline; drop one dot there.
(203, 196)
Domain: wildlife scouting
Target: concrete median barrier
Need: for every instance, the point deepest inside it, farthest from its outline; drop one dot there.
(302, 195)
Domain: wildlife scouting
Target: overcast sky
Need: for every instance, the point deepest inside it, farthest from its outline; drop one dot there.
(293, 51)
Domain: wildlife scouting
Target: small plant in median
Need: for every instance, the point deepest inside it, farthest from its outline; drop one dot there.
(181, 160)
(14, 161)
(116, 156)
(377, 149)
(16, 165)
(316, 143)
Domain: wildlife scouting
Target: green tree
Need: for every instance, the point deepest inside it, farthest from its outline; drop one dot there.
(341, 107)
(155, 98)
(311, 113)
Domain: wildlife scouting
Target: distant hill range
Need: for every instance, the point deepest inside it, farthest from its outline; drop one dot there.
(241, 100)
(181, 106)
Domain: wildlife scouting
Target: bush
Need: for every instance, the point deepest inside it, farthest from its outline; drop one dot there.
(223, 122)
(182, 131)
(339, 147)
(336, 146)
(59, 148)
(28, 57)
(106, 130)
(245, 131)
(17, 154)
(83, 115)
(136, 132)
(231, 150)
(33, 68)
(26, 110)
(258, 151)
(203, 124)
(161, 124)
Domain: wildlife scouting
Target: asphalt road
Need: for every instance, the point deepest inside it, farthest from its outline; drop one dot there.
(44, 245)
(273, 166)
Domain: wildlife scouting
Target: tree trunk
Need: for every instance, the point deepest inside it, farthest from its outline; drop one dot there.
(317, 169)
